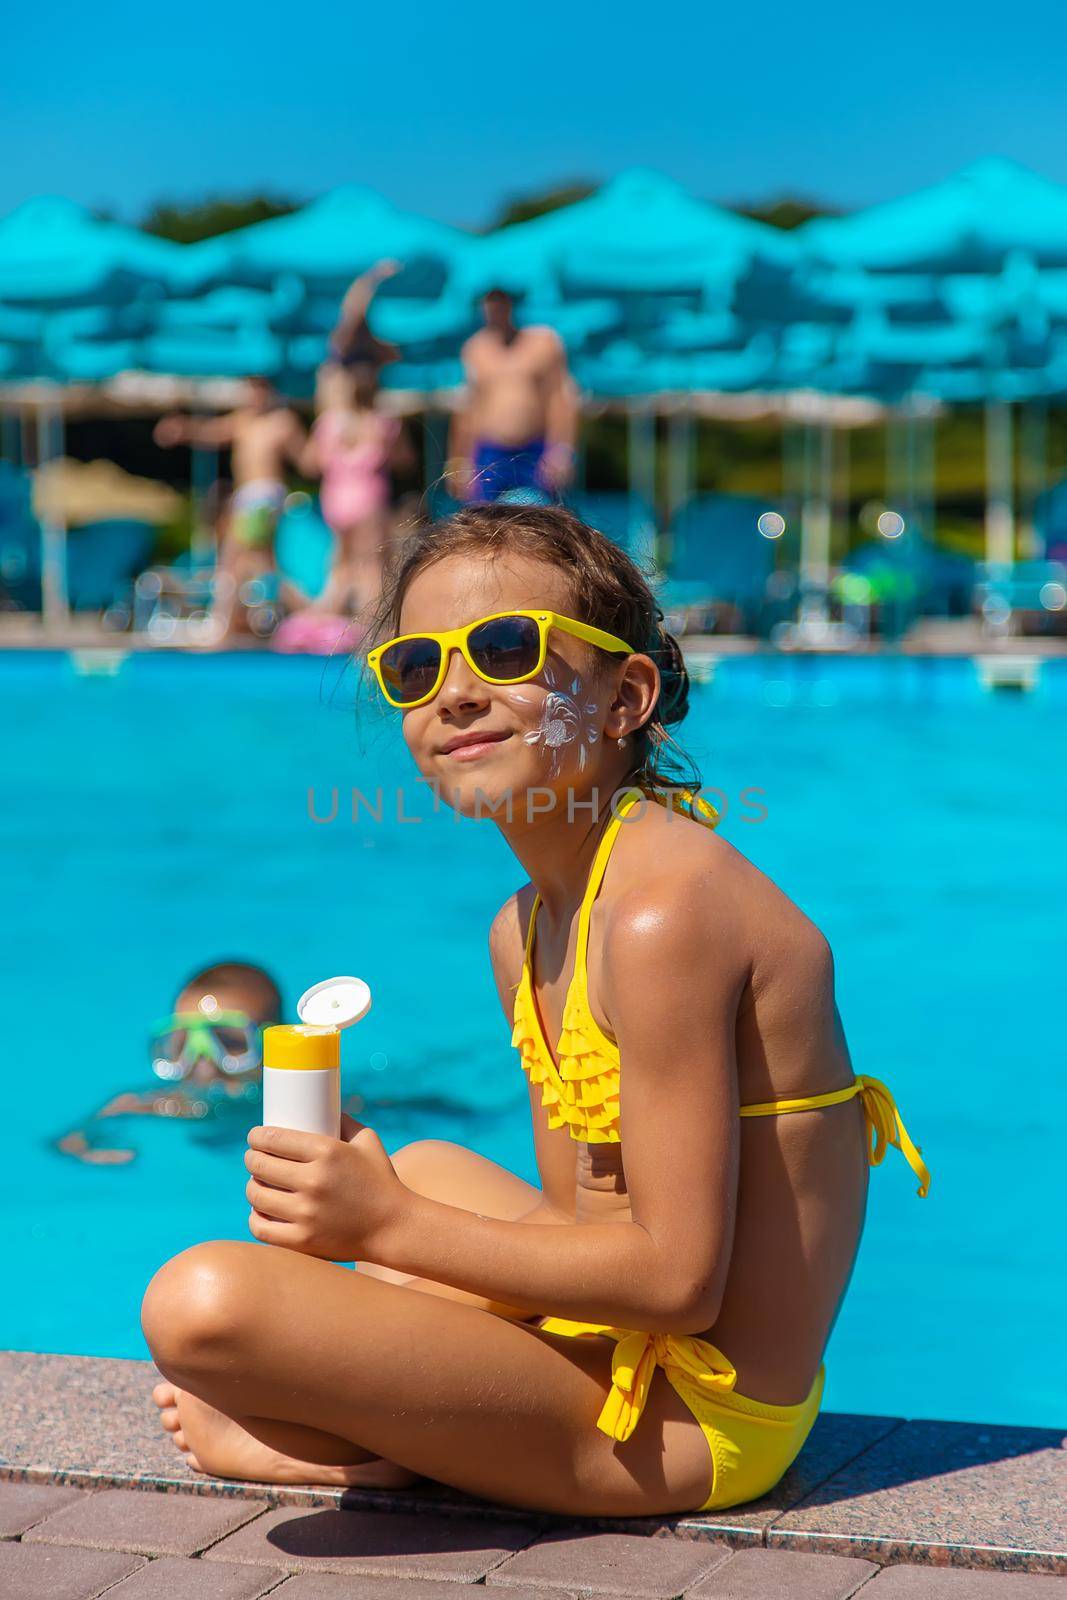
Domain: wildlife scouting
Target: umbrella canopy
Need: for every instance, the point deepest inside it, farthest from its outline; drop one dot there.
(640, 232)
(53, 252)
(972, 222)
(332, 240)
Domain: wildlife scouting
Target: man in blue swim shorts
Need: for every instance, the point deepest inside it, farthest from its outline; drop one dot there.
(520, 424)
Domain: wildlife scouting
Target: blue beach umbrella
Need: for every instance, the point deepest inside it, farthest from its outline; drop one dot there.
(53, 252)
(92, 278)
(970, 223)
(640, 233)
(980, 331)
(275, 288)
(214, 353)
(332, 240)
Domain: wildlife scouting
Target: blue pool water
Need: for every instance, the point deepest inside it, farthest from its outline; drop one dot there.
(158, 819)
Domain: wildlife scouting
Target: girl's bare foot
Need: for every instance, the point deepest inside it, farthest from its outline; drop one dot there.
(217, 1445)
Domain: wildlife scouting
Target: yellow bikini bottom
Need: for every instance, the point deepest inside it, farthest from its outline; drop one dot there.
(751, 1443)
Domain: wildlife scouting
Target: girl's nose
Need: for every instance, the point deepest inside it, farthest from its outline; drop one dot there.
(461, 686)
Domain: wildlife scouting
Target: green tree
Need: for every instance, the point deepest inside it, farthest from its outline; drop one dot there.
(522, 208)
(205, 219)
(789, 211)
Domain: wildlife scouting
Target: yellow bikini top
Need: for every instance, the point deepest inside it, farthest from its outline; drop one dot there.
(582, 1093)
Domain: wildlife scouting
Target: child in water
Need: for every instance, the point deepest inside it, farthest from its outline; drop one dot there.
(208, 1052)
(701, 1140)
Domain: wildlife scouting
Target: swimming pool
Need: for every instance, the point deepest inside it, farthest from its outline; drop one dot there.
(159, 819)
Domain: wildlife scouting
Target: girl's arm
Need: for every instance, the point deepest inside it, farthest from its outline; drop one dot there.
(673, 974)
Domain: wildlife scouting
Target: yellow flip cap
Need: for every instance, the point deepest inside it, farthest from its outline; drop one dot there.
(298, 1047)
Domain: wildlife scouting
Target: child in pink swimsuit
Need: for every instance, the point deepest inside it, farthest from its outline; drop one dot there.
(351, 446)
(355, 484)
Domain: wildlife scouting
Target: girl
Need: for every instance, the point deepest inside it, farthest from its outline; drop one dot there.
(353, 446)
(644, 1332)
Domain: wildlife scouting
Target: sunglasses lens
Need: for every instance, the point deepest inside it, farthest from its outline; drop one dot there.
(506, 648)
(409, 669)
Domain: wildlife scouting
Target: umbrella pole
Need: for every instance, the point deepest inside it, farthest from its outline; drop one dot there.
(841, 439)
(928, 469)
(641, 457)
(679, 459)
(815, 534)
(1000, 506)
(1033, 450)
(805, 455)
(913, 529)
(794, 445)
(55, 607)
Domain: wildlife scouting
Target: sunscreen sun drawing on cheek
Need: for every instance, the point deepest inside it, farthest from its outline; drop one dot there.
(563, 721)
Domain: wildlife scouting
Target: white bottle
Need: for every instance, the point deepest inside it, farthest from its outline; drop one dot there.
(302, 1061)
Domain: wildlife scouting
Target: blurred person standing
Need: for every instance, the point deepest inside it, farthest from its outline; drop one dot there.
(264, 435)
(520, 424)
(354, 447)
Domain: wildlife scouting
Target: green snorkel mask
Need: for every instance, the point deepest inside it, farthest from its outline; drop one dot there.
(228, 1039)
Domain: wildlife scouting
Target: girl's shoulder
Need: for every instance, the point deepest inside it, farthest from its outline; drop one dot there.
(697, 889)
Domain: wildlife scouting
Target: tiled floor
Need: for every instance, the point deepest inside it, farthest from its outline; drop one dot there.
(134, 1544)
(896, 1510)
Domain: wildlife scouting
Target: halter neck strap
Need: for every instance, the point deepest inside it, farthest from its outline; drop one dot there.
(596, 875)
(684, 801)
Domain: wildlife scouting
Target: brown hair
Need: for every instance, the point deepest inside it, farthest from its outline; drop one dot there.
(610, 592)
(255, 983)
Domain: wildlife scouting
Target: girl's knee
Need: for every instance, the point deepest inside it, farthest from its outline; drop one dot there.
(420, 1160)
(195, 1308)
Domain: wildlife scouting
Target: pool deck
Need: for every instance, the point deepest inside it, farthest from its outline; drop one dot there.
(962, 636)
(895, 1508)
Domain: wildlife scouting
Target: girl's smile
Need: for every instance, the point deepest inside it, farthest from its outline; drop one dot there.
(472, 746)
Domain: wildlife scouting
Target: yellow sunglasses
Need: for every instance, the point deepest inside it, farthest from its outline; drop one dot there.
(507, 647)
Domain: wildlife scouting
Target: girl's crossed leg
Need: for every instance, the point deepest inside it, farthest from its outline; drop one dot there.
(284, 1360)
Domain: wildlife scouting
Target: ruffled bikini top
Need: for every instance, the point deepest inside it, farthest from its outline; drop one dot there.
(582, 1092)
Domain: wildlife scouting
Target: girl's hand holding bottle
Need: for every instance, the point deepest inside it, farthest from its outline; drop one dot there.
(336, 1198)
(310, 1190)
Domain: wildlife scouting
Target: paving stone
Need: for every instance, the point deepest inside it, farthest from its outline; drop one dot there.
(146, 1523)
(177, 1578)
(85, 1414)
(461, 1549)
(65, 1572)
(612, 1563)
(947, 1493)
(837, 1438)
(330, 1586)
(783, 1575)
(949, 1583)
(23, 1504)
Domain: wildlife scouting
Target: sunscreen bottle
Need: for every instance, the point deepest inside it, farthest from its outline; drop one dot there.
(302, 1061)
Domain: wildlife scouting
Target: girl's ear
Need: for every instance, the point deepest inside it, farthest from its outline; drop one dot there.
(635, 696)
